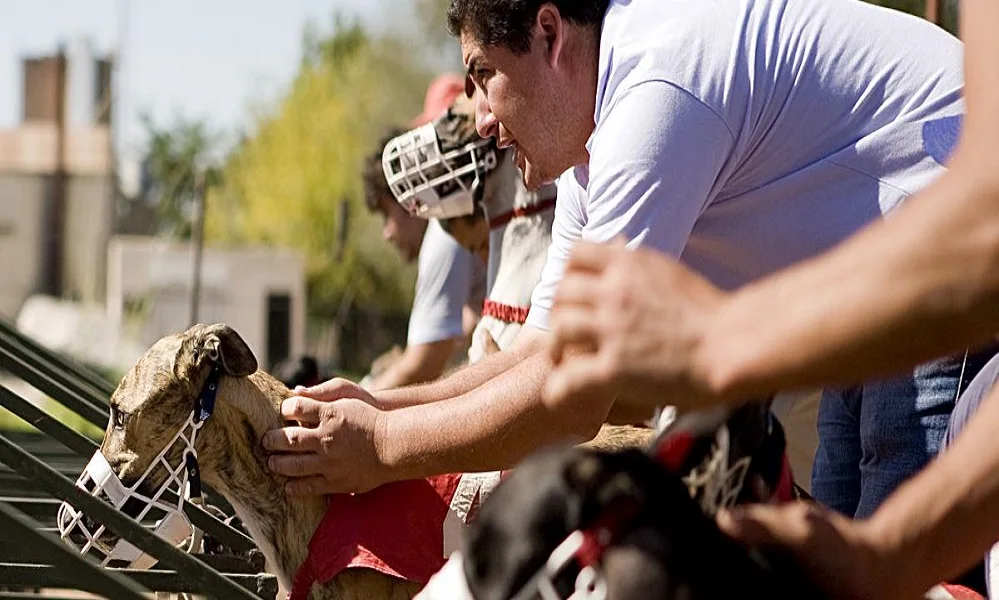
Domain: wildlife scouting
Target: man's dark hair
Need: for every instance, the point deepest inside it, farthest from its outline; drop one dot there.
(509, 22)
(373, 176)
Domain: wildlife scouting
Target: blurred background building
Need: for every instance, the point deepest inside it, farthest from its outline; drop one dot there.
(107, 198)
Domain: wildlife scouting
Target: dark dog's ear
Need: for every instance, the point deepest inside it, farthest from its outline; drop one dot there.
(221, 342)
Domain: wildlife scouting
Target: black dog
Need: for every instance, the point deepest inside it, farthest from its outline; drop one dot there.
(657, 536)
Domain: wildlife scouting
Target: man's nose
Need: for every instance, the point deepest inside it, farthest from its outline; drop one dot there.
(486, 123)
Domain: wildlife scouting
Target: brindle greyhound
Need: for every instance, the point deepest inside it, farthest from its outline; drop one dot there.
(153, 403)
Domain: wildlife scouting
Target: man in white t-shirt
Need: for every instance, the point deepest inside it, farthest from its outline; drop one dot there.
(740, 136)
(450, 286)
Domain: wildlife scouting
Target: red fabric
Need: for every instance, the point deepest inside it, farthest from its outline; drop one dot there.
(396, 529)
(673, 450)
(959, 592)
(785, 487)
(505, 312)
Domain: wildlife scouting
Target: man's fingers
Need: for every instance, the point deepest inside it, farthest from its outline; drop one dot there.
(577, 289)
(574, 379)
(328, 391)
(314, 485)
(572, 327)
(303, 410)
(292, 439)
(587, 256)
(297, 465)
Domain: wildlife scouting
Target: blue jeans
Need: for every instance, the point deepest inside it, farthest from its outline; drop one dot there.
(977, 391)
(874, 436)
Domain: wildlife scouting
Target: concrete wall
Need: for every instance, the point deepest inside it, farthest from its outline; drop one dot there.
(22, 214)
(149, 289)
(25, 233)
(88, 228)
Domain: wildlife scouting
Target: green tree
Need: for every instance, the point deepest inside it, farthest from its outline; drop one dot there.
(918, 8)
(173, 157)
(294, 181)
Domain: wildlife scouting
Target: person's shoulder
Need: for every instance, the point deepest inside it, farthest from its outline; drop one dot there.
(642, 27)
(686, 43)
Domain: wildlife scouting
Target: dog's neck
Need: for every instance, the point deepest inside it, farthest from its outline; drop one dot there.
(517, 249)
(280, 525)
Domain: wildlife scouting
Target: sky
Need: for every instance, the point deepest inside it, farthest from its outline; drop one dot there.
(203, 59)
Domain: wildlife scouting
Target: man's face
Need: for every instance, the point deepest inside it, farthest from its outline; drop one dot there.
(404, 231)
(530, 101)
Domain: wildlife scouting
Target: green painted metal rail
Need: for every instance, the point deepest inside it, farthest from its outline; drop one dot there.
(200, 577)
(85, 447)
(63, 364)
(85, 575)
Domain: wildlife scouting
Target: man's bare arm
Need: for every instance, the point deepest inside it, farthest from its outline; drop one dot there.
(932, 529)
(493, 426)
(529, 341)
(919, 285)
(419, 363)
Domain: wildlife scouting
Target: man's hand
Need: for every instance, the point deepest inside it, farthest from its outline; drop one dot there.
(337, 389)
(839, 555)
(335, 449)
(629, 324)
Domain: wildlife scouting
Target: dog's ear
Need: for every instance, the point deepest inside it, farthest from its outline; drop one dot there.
(219, 342)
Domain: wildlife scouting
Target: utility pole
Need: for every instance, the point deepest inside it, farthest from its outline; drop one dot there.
(198, 243)
(56, 234)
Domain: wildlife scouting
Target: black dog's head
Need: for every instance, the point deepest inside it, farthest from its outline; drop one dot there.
(669, 549)
(667, 545)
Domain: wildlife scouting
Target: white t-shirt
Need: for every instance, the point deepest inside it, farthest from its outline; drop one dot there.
(448, 278)
(743, 136)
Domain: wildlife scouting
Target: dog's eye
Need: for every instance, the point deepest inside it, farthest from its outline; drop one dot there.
(118, 417)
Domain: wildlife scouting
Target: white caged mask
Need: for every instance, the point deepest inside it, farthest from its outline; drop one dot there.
(163, 506)
(432, 184)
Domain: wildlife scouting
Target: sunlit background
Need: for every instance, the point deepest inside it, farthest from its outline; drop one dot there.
(115, 116)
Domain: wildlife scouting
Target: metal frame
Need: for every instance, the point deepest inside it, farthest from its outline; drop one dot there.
(87, 394)
(200, 575)
(85, 447)
(76, 370)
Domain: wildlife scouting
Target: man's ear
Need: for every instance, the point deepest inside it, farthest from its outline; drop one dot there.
(549, 29)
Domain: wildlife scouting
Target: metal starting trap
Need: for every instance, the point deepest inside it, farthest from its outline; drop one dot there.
(37, 473)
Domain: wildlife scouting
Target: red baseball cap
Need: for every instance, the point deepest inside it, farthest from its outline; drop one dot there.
(440, 94)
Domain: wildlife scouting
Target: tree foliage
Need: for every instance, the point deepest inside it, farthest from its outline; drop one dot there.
(918, 8)
(288, 183)
(173, 156)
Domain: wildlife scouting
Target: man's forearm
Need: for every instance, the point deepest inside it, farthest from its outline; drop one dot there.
(941, 522)
(918, 285)
(465, 379)
(419, 363)
(492, 427)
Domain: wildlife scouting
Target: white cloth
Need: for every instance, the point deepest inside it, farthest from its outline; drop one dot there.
(448, 278)
(448, 583)
(743, 136)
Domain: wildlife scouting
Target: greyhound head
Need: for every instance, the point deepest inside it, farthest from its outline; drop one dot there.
(175, 417)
